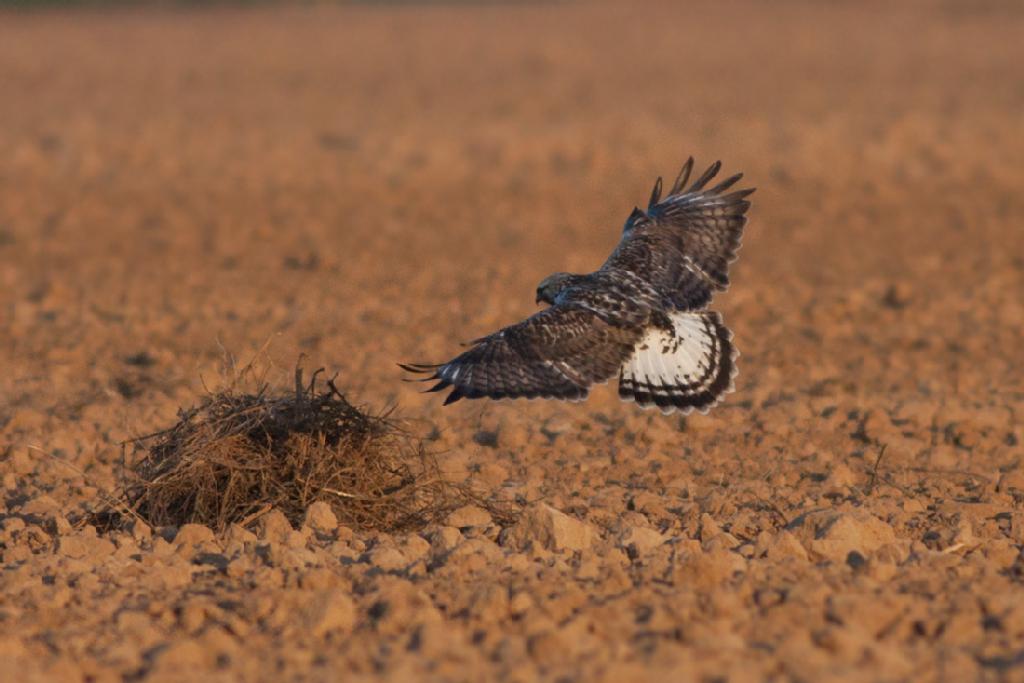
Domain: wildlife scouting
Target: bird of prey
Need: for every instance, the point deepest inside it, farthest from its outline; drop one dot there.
(642, 315)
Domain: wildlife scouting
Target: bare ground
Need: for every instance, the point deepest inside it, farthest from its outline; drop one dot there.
(364, 185)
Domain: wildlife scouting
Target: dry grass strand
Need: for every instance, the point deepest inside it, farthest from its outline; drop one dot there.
(237, 455)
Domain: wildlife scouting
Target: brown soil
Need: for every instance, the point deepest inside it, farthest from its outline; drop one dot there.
(367, 185)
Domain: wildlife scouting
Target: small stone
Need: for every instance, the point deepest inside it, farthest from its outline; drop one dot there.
(82, 546)
(398, 605)
(784, 545)
(41, 506)
(275, 527)
(554, 426)
(708, 527)
(1001, 552)
(472, 555)
(840, 479)
(297, 539)
(640, 540)
(723, 541)
(192, 616)
(832, 535)
(964, 536)
(320, 518)
(520, 603)
(141, 531)
(388, 558)
(414, 548)
(193, 534)
(330, 611)
(20, 462)
(445, 539)
(61, 525)
(469, 516)
(237, 533)
(710, 569)
(12, 525)
(590, 567)
(549, 528)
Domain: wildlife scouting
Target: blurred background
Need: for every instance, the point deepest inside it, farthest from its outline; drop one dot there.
(368, 182)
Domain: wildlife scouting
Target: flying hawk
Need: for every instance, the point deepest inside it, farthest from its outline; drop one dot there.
(642, 315)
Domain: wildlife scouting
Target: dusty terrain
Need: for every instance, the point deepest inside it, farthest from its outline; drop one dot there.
(364, 185)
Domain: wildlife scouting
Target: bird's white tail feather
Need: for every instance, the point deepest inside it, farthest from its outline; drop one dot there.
(692, 365)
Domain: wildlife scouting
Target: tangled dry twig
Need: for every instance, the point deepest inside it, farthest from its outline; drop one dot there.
(238, 453)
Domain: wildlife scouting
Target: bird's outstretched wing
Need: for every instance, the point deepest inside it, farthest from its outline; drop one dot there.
(683, 244)
(556, 353)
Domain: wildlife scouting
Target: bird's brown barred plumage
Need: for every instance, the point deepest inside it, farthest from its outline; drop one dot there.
(652, 290)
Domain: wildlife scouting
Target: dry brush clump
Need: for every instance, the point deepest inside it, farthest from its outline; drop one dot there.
(238, 454)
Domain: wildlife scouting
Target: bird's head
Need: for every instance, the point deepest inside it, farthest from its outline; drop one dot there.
(552, 285)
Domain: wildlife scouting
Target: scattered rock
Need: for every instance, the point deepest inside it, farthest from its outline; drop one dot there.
(193, 534)
(81, 546)
(839, 480)
(321, 518)
(549, 528)
(473, 555)
(708, 527)
(520, 603)
(786, 545)
(639, 540)
(469, 516)
(236, 533)
(723, 541)
(387, 558)
(708, 569)
(330, 611)
(43, 506)
(398, 606)
(833, 535)
(274, 526)
(414, 547)
(444, 540)
(141, 531)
